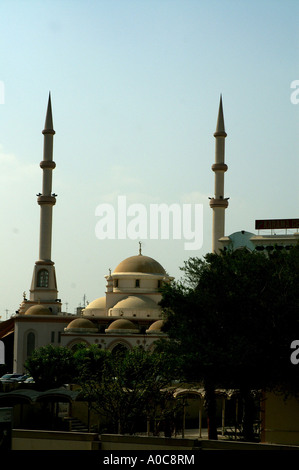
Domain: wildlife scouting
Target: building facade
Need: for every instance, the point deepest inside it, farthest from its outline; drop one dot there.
(127, 315)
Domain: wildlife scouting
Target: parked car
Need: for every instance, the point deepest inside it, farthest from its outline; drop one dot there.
(29, 380)
(21, 379)
(10, 377)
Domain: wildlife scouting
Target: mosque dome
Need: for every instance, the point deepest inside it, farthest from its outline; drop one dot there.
(155, 327)
(135, 306)
(136, 302)
(38, 309)
(95, 308)
(140, 264)
(122, 326)
(81, 325)
(97, 303)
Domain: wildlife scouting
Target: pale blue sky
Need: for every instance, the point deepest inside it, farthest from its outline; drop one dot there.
(135, 89)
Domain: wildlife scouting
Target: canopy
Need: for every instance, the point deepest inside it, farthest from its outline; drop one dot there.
(32, 396)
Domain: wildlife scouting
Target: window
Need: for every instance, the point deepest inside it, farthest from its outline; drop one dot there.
(43, 278)
(30, 343)
(137, 283)
(120, 349)
(115, 283)
(52, 336)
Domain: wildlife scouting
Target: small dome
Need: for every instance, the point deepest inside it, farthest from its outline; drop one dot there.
(97, 303)
(155, 327)
(122, 326)
(38, 309)
(135, 306)
(80, 324)
(136, 302)
(95, 308)
(140, 264)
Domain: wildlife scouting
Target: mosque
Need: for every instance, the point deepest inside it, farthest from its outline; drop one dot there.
(128, 314)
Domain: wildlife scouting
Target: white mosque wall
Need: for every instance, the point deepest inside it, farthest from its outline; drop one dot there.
(34, 332)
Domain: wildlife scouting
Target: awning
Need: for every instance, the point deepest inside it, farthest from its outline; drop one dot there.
(31, 396)
(6, 327)
(200, 392)
(57, 394)
(18, 396)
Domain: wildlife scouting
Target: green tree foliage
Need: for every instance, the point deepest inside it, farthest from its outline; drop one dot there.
(132, 387)
(89, 362)
(51, 367)
(126, 388)
(231, 321)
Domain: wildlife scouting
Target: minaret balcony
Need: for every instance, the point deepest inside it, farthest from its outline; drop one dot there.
(48, 131)
(50, 200)
(218, 203)
(219, 167)
(220, 133)
(47, 164)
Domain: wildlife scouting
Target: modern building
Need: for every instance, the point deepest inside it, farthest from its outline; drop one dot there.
(265, 241)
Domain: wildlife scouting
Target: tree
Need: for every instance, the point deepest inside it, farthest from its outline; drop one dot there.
(231, 320)
(126, 387)
(89, 362)
(133, 386)
(51, 366)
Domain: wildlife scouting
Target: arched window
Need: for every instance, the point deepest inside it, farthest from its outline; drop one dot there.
(120, 349)
(43, 278)
(30, 343)
(77, 343)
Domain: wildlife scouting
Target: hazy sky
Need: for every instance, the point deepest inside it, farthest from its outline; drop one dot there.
(135, 87)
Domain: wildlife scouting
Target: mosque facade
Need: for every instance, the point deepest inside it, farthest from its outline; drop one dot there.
(128, 314)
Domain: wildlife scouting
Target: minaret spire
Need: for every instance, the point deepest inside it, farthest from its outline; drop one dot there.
(220, 129)
(47, 200)
(43, 287)
(218, 204)
(49, 119)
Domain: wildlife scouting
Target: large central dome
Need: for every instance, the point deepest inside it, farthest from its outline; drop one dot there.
(140, 264)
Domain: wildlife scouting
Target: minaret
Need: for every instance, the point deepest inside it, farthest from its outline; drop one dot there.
(218, 203)
(43, 287)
